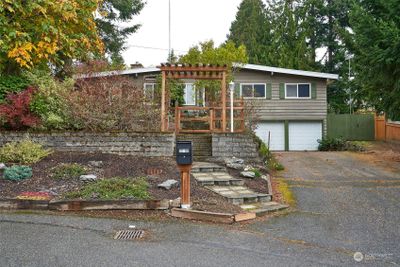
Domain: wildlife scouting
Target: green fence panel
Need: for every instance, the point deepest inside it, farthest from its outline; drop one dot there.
(355, 127)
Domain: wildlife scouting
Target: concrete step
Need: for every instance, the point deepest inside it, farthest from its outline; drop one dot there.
(206, 167)
(202, 144)
(216, 178)
(239, 195)
(263, 208)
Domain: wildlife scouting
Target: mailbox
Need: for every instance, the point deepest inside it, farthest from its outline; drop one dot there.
(184, 152)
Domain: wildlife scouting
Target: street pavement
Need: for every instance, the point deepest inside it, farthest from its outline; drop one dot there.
(344, 205)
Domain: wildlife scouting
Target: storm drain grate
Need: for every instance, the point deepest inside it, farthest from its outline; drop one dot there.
(129, 234)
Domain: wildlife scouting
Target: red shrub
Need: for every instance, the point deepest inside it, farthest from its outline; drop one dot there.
(15, 113)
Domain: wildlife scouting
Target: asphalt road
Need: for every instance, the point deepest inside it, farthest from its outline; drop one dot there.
(344, 204)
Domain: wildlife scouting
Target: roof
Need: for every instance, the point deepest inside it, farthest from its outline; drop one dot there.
(291, 71)
(117, 72)
(314, 74)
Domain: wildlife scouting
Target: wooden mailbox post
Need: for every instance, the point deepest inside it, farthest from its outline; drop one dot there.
(184, 159)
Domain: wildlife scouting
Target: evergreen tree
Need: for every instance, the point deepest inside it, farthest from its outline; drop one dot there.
(376, 45)
(251, 28)
(290, 44)
(112, 14)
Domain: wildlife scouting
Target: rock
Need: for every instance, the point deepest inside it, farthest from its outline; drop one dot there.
(235, 166)
(234, 160)
(248, 168)
(2, 166)
(169, 184)
(96, 164)
(265, 177)
(88, 178)
(248, 174)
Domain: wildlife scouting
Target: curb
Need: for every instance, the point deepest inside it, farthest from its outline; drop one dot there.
(79, 205)
(197, 215)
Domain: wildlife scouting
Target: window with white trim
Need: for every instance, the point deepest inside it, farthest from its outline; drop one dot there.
(298, 90)
(189, 94)
(149, 89)
(253, 90)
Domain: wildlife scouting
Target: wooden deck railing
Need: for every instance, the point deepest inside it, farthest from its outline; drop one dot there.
(211, 116)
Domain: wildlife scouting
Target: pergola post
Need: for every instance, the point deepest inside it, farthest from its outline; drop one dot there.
(223, 98)
(163, 85)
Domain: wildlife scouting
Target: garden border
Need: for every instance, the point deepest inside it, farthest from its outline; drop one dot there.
(87, 205)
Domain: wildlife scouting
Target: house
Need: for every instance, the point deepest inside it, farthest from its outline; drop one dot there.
(291, 104)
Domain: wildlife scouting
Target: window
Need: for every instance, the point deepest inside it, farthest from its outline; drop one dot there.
(149, 90)
(253, 90)
(189, 94)
(298, 90)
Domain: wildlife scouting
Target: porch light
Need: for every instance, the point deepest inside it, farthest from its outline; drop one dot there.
(231, 89)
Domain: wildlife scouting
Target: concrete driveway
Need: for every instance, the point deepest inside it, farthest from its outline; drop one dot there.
(348, 202)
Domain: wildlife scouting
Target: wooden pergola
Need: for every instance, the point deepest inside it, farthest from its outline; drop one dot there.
(195, 72)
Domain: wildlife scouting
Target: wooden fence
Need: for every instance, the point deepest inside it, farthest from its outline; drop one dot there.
(354, 127)
(386, 131)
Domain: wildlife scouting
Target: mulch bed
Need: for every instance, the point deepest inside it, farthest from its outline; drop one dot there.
(257, 184)
(156, 170)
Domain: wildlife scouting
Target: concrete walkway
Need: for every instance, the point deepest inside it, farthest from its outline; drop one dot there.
(215, 178)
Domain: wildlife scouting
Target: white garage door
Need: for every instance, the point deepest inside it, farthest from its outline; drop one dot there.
(277, 130)
(304, 135)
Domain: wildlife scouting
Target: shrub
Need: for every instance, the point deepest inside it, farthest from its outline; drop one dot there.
(49, 102)
(17, 173)
(112, 103)
(24, 152)
(339, 144)
(267, 156)
(65, 171)
(12, 84)
(257, 172)
(331, 144)
(113, 188)
(16, 112)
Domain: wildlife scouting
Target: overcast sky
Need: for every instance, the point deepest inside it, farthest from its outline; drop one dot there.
(192, 21)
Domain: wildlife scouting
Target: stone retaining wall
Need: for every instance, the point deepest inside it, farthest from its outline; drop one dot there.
(138, 144)
(228, 145)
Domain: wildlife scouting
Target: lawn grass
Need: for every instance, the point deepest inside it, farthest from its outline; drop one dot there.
(113, 188)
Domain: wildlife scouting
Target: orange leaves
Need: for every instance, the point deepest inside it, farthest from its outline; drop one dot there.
(58, 29)
(22, 54)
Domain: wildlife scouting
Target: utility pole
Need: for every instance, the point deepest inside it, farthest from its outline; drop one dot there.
(169, 29)
(351, 100)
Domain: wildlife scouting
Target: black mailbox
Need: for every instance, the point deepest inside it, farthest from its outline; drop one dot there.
(184, 152)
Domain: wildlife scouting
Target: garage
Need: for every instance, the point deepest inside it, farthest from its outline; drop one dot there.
(276, 130)
(304, 135)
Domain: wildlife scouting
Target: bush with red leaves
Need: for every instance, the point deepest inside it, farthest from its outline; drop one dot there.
(15, 113)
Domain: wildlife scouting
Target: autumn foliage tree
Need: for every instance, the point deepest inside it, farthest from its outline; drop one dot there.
(34, 33)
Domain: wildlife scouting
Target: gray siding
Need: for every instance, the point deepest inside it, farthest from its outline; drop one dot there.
(286, 109)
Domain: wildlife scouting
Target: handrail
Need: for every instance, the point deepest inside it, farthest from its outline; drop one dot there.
(212, 116)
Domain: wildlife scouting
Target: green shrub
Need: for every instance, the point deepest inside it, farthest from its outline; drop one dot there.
(267, 155)
(12, 84)
(113, 188)
(24, 152)
(49, 102)
(339, 144)
(65, 171)
(256, 172)
(17, 173)
(331, 144)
